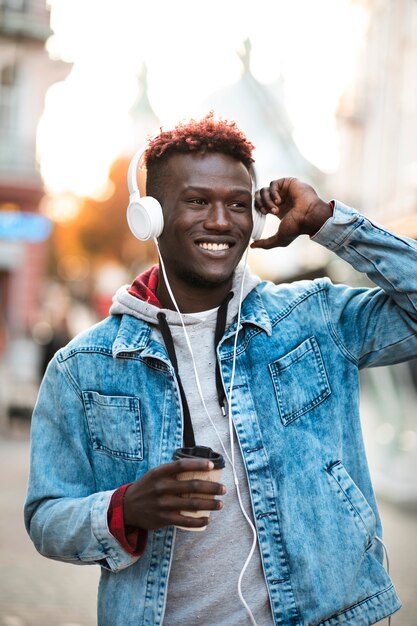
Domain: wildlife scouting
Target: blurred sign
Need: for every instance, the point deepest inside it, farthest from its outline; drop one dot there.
(23, 226)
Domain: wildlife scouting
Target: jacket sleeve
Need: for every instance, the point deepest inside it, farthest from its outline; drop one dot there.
(372, 326)
(65, 516)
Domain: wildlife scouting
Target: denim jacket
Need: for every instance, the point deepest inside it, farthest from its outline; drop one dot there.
(109, 410)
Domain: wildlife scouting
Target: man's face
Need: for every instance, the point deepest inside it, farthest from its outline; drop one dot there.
(207, 206)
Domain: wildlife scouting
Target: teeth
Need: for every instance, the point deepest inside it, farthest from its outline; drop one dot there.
(214, 246)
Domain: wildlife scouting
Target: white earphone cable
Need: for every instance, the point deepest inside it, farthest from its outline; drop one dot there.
(187, 339)
(231, 434)
(387, 562)
(230, 458)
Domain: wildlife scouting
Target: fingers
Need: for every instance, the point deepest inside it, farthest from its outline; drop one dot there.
(189, 487)
(267, 244)
(275, 187)
(182, 465)
(199, 486)
(287, 232)
(163, 476)
(157, 498)
(172, 510)
(270, 199)
(181, 519)
(171, 503)
(266, 201)
(298, 208)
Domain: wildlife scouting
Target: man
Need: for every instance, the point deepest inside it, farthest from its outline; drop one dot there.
(103, 487)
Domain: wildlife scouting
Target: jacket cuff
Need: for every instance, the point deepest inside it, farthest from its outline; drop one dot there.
(132, 539)
(339, 227)
(115, 557)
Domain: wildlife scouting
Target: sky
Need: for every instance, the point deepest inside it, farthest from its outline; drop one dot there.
(190, 50)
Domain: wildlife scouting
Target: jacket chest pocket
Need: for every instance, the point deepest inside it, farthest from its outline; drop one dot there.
(300, 380)
(115, 425)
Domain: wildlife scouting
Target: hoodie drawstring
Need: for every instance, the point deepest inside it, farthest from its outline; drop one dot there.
(189, 439)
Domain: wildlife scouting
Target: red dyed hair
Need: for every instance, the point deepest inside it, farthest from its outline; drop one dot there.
(205, 135)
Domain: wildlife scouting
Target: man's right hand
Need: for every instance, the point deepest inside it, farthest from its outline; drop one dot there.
(297, 205)
(155, 500)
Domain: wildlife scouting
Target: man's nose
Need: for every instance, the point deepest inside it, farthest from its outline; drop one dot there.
(218, 217)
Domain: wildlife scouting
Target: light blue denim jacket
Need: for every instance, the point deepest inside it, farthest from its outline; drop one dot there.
(109, 410)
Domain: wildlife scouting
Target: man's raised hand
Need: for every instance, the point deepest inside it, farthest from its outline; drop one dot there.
(297, 205)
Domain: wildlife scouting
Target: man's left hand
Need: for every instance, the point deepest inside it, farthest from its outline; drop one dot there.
(297, 205)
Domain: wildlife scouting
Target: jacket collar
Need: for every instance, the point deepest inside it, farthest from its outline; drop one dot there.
(134, 334)
(254, 312)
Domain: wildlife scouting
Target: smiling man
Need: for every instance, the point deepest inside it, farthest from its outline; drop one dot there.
(122, 397)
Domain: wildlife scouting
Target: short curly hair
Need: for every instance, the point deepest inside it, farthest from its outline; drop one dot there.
(201, 136)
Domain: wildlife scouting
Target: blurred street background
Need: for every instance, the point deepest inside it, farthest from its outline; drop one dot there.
(326, 91)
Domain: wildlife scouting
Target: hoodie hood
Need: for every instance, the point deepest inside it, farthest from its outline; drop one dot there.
(141, 304)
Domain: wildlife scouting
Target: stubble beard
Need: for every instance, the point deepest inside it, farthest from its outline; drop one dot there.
(195, 280)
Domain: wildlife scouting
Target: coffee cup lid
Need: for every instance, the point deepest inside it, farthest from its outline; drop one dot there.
(200, 452)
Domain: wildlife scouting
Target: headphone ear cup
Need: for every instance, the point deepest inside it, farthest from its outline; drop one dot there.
(144, 216)
(259, 220)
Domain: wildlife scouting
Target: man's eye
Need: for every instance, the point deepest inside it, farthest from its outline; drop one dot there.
(199, 201)
(241, 206)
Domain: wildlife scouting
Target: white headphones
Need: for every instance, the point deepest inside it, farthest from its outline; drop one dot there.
(144, 213)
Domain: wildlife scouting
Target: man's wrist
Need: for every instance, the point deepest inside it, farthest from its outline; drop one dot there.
(132, 539)
(318, 216)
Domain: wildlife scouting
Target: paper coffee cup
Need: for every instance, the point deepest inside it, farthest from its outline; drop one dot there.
(214, 475)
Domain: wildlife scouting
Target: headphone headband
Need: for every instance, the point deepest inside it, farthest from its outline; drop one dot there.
(132, 181)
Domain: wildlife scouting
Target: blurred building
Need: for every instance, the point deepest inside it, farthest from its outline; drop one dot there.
(377, 121)
(26, 72)
(377, 118)
(260, 111)
(143, 121)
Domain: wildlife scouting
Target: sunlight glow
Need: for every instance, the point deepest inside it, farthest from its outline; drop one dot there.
(190, 53)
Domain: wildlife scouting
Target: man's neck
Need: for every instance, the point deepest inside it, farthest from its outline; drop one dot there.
(192, 299)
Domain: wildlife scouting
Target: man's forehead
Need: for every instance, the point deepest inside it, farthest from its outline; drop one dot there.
(205, 169)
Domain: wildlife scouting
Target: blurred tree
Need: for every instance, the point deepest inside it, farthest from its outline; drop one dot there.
(99, 232)
(101, 225)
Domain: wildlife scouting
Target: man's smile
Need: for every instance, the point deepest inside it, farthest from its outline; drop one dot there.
(214, 246)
